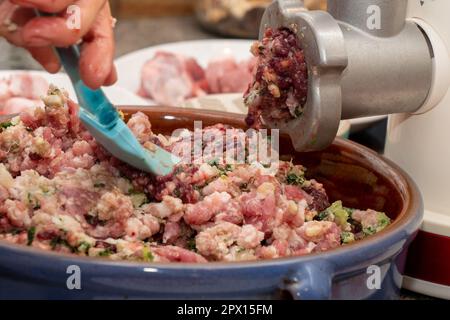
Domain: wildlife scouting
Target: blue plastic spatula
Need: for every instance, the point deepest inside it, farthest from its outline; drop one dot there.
(104, 123)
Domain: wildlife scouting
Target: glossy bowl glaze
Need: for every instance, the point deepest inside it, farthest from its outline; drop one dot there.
(368, 269)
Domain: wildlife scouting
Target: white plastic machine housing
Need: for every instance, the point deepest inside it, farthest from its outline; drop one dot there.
(420, 142)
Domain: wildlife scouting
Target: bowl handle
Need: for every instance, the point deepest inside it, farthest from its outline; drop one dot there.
(310, 281)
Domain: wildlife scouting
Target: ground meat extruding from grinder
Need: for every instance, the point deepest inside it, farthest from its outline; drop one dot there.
(280, 85)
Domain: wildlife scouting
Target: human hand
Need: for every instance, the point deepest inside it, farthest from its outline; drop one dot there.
(20, 26)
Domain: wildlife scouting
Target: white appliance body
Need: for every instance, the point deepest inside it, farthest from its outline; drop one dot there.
(420, 142)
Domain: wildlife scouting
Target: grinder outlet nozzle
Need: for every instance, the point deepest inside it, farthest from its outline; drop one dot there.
(353, 71)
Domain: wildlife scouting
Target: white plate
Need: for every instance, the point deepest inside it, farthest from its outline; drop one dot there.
(129, 66)
(228, 102)
(117, 95)
(234, 103)
(129, 72)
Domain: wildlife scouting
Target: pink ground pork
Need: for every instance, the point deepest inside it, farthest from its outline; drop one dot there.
(61, 191)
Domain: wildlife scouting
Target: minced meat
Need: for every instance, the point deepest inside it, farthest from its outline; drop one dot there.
(280, 86)
(61, 191)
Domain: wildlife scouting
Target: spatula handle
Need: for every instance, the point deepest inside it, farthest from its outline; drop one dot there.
(94, 101)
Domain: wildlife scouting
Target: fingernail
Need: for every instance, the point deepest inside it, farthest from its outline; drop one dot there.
(52, 67)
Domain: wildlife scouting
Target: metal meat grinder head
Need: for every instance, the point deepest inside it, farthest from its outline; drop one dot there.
(364, 58)
(374, 57)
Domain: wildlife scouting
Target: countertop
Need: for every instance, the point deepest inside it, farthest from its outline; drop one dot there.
(140, 33)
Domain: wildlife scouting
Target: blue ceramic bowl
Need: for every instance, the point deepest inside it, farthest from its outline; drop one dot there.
(369, 269)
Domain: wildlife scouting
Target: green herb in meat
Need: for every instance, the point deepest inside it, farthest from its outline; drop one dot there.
(347, 237)
(147, 255)
(99, 185)
(191, 245)
(223, 169)
(106, 253)
(30, 235)
(58, 241)
(298, 112)
(341, 215)
(382, 222)
(83, 247)
(295, 179)
(5, 125)
(336, 213)
(214, 163)
(177, 193)
(33, 202)
(323, 215)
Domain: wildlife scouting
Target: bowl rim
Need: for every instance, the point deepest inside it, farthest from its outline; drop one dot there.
(407, 221)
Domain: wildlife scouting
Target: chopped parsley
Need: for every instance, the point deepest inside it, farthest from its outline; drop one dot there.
(295, 179)
(58, 241)
(30, 235)
(177, 170)
(191, 245)
(347, 237)
(382, 222)
(147, 255)
(223, 169)
(99, 185)
(5, 125)
(214, 163)
(298, 112)
(106, 253)
(83, 247)
(54, 242)
(370, 230)
(341, 215)
(322, 215)
(177, 193)
(240, 250)
(336, 213)
(33, 202)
